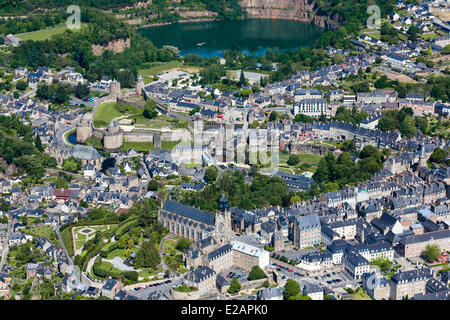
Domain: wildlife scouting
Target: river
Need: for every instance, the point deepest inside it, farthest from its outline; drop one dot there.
(253, 36)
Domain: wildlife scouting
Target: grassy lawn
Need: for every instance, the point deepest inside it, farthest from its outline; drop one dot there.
(169, 145)
(66, 236)
(158, 123)
(150, 273)
(309, 158)
(45, 34)
(138, 146)
(45, 231)
(82, 238)
(116, 253)
(153, 68)
(111, 110)
(169, 246)
(191, 164)
(94, 141)
(360, 294)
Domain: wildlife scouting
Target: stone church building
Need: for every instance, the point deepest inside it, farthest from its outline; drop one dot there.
(211, 233)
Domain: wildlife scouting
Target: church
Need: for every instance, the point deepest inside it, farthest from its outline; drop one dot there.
(211, 233)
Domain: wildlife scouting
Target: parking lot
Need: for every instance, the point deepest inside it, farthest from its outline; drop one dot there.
(229, 274)
(295, 254)
(330, 279)
(163, 286)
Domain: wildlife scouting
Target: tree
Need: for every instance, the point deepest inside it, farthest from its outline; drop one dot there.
(21, 85)
(150, 111)
(293, 160)
(183, 244)
(4, 206)
(431, 252)
(256, 273)
(413, 33)
(266, 284)
(81, 91)
(291, 289)
(147, 256)
(153, 185)
(235, 286)
(211, 174)
(273, 116)
(438, 156)
(242, 81)
(300, 117)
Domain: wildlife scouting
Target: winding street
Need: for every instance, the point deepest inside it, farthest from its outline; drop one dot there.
(6, 247)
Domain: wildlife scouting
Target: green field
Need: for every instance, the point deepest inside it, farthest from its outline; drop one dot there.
(360, 294)
(147, 146)
(82, 237)
(138, 146)
(45, 34)
(304, 157)
(44, 231)
(66, 236)
(111, 110)
(154, 68)
(161, 121)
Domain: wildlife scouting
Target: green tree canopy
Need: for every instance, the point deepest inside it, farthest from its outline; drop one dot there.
(256, 273)
(235, 286)
(431, 252)
(291, 289)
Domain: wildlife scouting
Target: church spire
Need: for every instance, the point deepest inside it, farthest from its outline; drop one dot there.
(223, 203)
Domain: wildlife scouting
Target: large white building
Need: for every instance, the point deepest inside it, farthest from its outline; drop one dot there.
(311, 107)
(247, 256)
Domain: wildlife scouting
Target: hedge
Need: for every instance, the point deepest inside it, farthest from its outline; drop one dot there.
(121, 230)
(108, 248)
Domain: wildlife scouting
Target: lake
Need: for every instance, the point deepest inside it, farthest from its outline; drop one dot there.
(253, 36)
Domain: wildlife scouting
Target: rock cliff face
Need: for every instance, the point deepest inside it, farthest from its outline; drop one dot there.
(115, 46)
(299, 10)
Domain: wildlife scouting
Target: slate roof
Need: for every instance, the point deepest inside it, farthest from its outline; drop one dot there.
(189, 212)
(308, 222)
(412, 275)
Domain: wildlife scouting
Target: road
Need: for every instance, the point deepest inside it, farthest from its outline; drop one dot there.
(6, 247)
(84, 278)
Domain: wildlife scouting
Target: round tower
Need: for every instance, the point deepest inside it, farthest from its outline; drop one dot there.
(84, 128)
(113, 137)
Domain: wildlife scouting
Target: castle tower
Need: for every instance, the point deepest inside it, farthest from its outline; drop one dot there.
(113, 137)
(222, 231)
(114, 90)
(84, 128)
(139, 84)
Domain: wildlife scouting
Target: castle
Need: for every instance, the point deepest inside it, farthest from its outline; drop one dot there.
(113, 135)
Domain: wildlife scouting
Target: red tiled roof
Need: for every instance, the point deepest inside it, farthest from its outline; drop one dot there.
(62, 193)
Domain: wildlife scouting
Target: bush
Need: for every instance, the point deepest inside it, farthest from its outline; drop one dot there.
(108, 248)
(131, 275)
(126, 226)
(256, 273)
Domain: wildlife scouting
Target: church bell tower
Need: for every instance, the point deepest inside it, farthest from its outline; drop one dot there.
(222, 231)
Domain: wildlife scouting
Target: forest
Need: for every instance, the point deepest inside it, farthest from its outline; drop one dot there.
(18, 146)
(264, 191)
